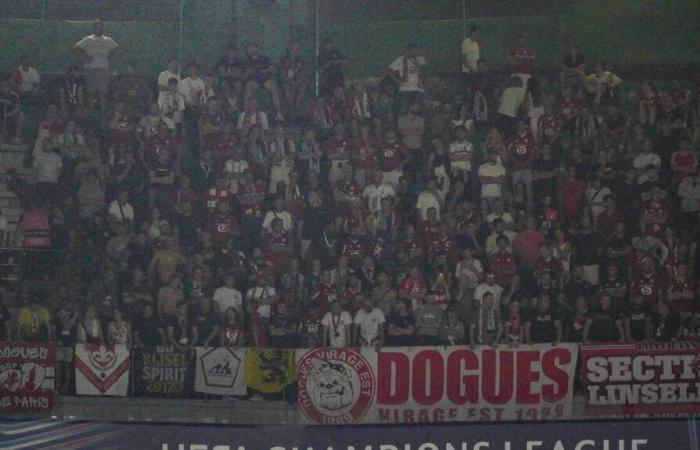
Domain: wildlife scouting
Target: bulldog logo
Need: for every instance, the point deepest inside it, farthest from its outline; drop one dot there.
(336, 386)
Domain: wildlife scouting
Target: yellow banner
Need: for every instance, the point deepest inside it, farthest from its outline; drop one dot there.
(269, 370)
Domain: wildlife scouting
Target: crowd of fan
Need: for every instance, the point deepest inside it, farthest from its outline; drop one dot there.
(239, 209)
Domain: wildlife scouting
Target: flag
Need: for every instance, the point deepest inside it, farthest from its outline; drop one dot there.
(101, 369)
(269, 370)
(219, 371)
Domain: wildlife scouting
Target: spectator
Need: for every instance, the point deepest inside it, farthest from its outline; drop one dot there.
(604, 324)
(470, 54)
(119, 330)
(336, 327)
(98, 49)
(227, 296)
(369, 325)
(26, 80)
(543, 326)
(331, 64)
(89, 330)
(406, 71)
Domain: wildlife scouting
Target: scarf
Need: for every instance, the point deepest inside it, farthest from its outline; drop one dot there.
(487, 325)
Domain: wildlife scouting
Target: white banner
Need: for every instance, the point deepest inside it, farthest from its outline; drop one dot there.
(101, 369)
(220, 371)
(436, 384)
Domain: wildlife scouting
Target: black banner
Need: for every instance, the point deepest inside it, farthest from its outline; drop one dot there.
(163, 372)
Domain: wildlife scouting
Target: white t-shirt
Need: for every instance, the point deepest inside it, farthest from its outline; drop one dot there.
(369, 323)
(427, 200)
(374, 195)
(259, 292)
(414, 65)
(511, 99)
(491, 170)
(48, 166)
(165, 76)
(285, 216)
(30, 78)
(193, 91)
(98, 49)
(470, 49)
(642, 160)
(225, 298)
(127, 211)
(461, 149)
(337, 325)
(171, 105)
(483, 288)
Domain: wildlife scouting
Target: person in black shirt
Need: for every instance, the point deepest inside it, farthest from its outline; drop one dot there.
(148, 331)
(11, 116)
(331, 64)
(573, 68)
(72, 92)
(543, 325)
(637, 321)
(258, 72)
(401, 326)
(574, 329)
(603, 324)
(667, 323)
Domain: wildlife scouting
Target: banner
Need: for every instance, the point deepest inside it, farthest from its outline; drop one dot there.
(26, 376)
(101, 369)
(577, 435)
(645, 379)
(436, 384)
(162, 372)
(269, 370)
(220, 371)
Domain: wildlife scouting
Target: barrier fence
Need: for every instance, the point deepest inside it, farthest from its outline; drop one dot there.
(361, 386)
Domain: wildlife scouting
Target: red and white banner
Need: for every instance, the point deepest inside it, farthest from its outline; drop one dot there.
(101, 369)
(436, 384)
(26, 376)
(646, 379)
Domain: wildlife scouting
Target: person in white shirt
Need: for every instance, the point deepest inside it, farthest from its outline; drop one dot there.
(99, 49)
(26, 79)
(647, 157)
(374, 193)
(171, 105)
(47, 164)
(430, 198)
(194, 92)
(470, 51)
(407, 70)
(492, 174)
(252, 117)
(264, 295)
(234, 170)
(461, 153)
(227, 296)
(511, 100)
(173, 71)
(369, 325)
(491, 287)
(336, 327)
(278, 212)
(120, 211)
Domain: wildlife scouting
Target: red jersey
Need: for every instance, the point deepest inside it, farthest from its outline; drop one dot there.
(524, 56)
(221, 228)
(522, 150)
(250, 196)
(36, 228)
(364, 159)
(570, 108)
(222, 150)
(323, 295)
(549, 127)
(353, 248)
(503, 266)
(391, 156)
(232, 335)
(572, 192)
(413, 285)
(428, 232)
(276, 241)
(654, 213)
(648, 286)
(337, 149)
(443, 244)
(159, 145)
(552, 265)
(683, 158)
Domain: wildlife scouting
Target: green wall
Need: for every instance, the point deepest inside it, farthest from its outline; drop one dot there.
(621, 31)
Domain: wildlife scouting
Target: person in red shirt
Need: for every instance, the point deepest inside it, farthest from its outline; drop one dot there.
(162, 142)
(324, 294)
(231, 333)
(278, 246)
(522, 153)
(221, 225)
(649, 104)
(222, 146)
(443, 243)
(608, 219)
(527, 244)
(429, 229)
(521, 58)
(392, 157)
(548, 126)
(502, 262)
(411, 246)
(681, 291)
(354, 247)
(413, 288)
(571, 192)
(365, 154)
(546, 262)
(647, 283)
(655, 214)
(684, 162)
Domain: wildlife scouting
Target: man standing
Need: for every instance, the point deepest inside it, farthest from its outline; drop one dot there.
(407, 70)
(470, 54)
(521, 59)
(369, 325)
(98, 48)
